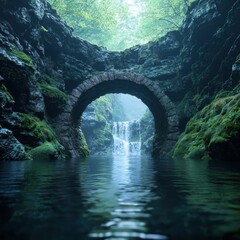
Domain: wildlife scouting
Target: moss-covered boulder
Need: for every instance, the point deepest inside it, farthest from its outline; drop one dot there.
(46, 151)
(214, 132)
(39, 138)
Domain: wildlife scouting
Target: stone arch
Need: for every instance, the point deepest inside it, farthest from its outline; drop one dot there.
(164, 111)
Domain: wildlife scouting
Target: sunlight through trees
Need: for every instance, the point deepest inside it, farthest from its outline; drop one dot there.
(120, 24)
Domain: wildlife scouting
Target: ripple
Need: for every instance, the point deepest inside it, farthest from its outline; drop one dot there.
(124, 235)
(130, 214)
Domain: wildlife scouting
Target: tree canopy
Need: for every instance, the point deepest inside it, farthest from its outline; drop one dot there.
(120, 24)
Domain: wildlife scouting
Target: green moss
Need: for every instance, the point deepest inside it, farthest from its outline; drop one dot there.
(46, 151)
(23, 56)
(85, 150)
(43, 28)
(215, 124)
(47, 145)
(83, 144)
(51, 81)
(53, 93)
(4, 88)
(40, 129)
(102, 107)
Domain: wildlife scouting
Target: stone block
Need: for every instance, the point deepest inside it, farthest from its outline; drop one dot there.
(76, 92)
(119, 75)
(95, 80)
(81, 88)
(111, 76)
(173, 121)
(72, 100)
(171, 112)
(139, 79)
(67, 109)
(159, 94)
(165, 100)
(173, 136)
(104, 77)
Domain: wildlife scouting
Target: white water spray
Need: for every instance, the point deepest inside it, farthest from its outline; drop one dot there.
(127, 138)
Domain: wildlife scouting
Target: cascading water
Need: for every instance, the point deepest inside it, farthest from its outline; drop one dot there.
(127, 138)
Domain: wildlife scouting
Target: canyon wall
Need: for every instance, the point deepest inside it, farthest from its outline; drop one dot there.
(41, 62)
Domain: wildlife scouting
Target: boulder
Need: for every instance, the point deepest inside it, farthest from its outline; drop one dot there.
(10, 147)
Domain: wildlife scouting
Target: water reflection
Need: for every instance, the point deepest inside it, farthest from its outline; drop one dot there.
(214, 190)
(119, 189)
(119, 198)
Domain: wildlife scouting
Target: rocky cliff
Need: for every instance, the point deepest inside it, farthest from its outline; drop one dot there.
(96, 124)
(41, 62)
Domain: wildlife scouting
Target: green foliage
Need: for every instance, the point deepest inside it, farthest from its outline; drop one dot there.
(117, 24)
(23, 56)
(103, 108)
(162, 16)
(98, 136)
(217, 123)
(53, 93)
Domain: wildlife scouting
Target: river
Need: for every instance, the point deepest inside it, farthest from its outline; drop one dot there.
(119, 197)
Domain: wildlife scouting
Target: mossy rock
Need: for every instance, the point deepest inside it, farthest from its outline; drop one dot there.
(23, 56)
(51, 81)
(6, 99)
(34, 131)
(53, 93)
(82, 144)
(46, 151)
(213, 132)
(4, 88)
(54, 99)
(147, 131)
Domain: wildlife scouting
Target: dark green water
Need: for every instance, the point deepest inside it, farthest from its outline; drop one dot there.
(119, 198)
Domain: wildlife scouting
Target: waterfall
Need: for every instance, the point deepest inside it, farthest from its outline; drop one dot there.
(127, 138)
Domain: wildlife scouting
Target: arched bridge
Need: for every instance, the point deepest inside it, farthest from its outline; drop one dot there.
(162, 108)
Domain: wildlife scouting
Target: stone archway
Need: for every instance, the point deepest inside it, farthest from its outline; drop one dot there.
(162, 108)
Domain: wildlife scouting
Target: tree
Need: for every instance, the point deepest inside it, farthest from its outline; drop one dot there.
(120, 24)
(162, 16)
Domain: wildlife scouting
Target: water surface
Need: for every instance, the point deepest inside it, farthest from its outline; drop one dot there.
(134, 197)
